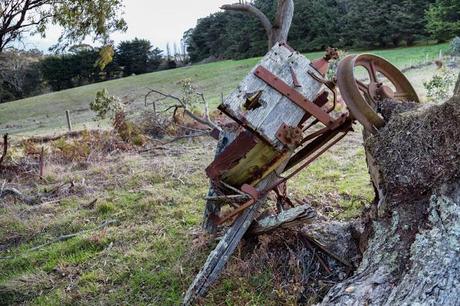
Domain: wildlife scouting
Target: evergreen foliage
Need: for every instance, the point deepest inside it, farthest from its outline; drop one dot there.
(444, 19)
(317, 24)
(137, 56)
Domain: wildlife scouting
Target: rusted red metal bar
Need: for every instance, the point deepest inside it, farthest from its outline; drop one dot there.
(293, 95)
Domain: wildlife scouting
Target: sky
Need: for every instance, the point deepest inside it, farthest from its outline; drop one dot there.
(160, 21)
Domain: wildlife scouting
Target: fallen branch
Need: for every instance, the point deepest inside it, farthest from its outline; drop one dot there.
(286, 219)
(64, 238)
(44, 139)
(5, 148)
(17, 194)
(207, 121)
(183, 137)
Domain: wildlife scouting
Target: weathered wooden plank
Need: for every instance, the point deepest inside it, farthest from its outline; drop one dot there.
(234, 103)
(285, 111)
(275, 109)
(286, 219)
(221, 254)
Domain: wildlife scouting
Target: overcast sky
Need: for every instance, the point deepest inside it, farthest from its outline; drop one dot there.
(160, 21)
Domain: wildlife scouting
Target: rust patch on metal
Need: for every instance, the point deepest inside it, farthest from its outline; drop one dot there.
(237, 150)
(258, 172)
(290, 136)
(322, 65)
(292, 94)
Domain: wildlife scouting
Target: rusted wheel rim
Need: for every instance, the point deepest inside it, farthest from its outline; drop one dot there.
(361, 98)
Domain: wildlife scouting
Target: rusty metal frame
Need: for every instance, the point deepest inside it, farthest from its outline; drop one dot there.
(235, 151)
(314, 149)
(293, 95)
(289, 135)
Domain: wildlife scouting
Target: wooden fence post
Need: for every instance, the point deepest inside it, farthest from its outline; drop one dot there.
(42, 163)
(69, 123)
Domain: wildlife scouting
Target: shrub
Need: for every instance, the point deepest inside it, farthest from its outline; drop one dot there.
(105, 105)
(438, 88)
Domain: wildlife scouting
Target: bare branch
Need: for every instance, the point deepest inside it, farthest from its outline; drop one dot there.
(187, 112)
(248, 8)
(17, 194)
(184, 137)
(283, 19)
(206, 113)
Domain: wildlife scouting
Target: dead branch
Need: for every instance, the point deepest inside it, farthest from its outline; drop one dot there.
(90, 205)
(42, 163)
(286, 219)
(44, 139)
(32, 201)
(251, 9)
(65, 237)
(276, 32)
(17, 194)
(184, 137)
(5, 148)
(206, 121)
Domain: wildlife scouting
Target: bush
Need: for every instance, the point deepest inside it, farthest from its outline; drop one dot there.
(438, 88)
(105, 105)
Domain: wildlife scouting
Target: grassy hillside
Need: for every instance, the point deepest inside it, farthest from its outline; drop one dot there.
(151, 203)
(46, 112)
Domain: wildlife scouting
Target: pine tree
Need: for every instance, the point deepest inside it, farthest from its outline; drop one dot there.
(444, 19)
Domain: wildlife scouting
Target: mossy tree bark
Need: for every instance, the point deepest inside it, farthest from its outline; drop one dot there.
(412, 236)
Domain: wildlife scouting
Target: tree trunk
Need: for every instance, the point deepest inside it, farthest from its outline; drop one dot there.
(413, 249)
(276, 32)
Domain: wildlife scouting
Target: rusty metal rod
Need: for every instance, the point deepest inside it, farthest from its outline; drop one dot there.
(300, 168)
(265, 191)
(314, 135)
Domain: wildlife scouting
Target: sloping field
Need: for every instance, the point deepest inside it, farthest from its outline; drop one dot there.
(45, 113)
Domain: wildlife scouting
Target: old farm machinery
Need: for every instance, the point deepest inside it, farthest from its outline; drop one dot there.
(286, 114)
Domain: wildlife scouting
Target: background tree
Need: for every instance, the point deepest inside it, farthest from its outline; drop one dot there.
(444, 19)
(137, 56)
(278, 30)
(78, 18)
(19, 74)
(315, 25)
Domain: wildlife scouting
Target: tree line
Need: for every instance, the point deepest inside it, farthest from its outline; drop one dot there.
(317, 24)
(27, 73)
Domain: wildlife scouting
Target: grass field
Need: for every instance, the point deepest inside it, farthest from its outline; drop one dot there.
(45, 113)
(154, 199)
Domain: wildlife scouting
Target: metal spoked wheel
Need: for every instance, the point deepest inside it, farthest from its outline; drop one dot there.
(385, 81)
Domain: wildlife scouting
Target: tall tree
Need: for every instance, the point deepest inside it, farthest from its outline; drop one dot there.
(444, 19)
(19, 74)
(277, 31)
(137, 56)
(79, 19)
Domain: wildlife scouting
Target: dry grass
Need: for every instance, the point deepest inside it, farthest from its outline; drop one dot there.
(152, 252)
